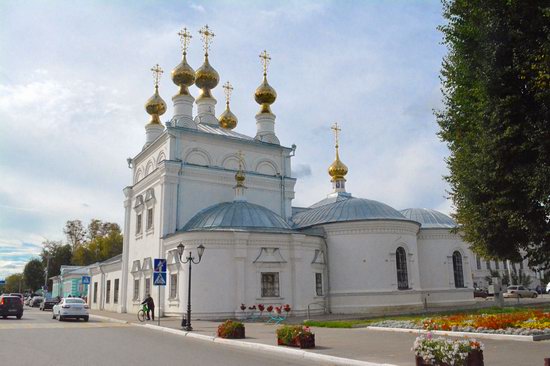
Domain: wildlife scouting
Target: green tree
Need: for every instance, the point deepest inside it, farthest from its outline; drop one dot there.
(34, 274)
(75, 233)
(15, 283)
(59, 253)
(495, 121)
(104, 241)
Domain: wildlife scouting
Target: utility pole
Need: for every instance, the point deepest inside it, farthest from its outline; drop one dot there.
(46, 277)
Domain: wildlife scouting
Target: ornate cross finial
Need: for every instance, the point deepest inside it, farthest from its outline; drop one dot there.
(336, 130)
(185, 38)
(157, 72)
(228, 89)
(241, 159)
(265, 59)
(206, 36)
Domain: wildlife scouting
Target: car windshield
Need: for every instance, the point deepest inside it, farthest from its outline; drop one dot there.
(74, 301)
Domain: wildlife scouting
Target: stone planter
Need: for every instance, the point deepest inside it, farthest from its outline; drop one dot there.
(301, 342)
(238, 333)
(475, 358)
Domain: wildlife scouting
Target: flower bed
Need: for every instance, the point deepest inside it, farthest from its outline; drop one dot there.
(231, 329)
(430, 350)
(295, 336)
(529, 322)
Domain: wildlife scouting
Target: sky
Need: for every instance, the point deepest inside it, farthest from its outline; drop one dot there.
(74, 76)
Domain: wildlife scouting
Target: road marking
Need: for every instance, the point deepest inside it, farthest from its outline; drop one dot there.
(60, 325)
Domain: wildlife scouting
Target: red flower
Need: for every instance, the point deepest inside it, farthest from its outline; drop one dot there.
(253, 307)
(243, 307)
(278, 309)
(261, 307)
(286, 308)
(269, 309)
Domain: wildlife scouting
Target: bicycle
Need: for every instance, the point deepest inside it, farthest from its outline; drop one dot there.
(142, 314)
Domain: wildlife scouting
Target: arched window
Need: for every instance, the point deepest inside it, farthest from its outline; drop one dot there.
(401, 262)
(457, 269)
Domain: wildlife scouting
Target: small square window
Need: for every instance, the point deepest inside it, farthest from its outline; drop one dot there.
(270, 284)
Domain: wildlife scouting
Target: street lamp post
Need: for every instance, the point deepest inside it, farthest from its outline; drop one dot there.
(191, 260)
(46, 275)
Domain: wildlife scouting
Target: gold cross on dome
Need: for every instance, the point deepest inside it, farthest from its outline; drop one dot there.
(241, 159)
(265, 59)
(228, 89)
(336, 130)
(185, 38)
(157, 72)
(206, 35)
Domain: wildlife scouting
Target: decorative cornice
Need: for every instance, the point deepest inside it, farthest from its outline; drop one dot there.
(371, 226)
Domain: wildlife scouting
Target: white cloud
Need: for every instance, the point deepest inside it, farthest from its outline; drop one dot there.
(198, 8)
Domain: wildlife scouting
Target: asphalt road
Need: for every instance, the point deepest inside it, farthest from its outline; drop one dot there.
(37, 339)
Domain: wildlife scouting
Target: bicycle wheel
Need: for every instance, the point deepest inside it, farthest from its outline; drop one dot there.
(141, 315)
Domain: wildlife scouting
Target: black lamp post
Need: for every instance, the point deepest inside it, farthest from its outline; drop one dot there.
(191, 260)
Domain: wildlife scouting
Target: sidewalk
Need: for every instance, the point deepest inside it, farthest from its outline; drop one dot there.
(360, 344)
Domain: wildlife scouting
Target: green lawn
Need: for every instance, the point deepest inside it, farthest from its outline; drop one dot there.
(351, 323)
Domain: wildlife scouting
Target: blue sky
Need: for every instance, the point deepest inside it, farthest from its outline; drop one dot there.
(74, 76)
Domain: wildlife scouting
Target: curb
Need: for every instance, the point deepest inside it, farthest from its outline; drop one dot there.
(333, 360)
(501, 337)
(113, 320)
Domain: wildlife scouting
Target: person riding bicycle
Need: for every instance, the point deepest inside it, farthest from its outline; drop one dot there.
(150, 306)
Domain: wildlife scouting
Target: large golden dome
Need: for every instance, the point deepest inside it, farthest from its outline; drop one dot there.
(337, 170)
(155, 106)
(227, 119)
(206, 78)
(183, 76)
(265, 95)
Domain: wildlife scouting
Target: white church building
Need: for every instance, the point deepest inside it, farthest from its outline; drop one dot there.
(199, 182)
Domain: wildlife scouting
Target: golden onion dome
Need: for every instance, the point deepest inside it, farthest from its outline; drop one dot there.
(155, 106)
(337, 170)
(265, 95)
(206, 78)
(227, 119)
(183, 76)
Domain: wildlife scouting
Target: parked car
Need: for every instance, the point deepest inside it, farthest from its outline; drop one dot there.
(71, 307)
(35, 301)
(519, 291)
(11, 306)
(17, 294)
(479, 292)
(548, 288)
(48, 303)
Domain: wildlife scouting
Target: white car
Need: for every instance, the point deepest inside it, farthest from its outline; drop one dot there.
(519, 291)
(71, 307)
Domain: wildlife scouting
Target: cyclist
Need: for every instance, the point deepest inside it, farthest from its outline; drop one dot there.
(150, 306)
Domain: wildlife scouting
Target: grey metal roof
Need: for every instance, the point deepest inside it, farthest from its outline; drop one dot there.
(237, 215)
(336, 197)
(222, 131)
(428, 218)
(344, 207)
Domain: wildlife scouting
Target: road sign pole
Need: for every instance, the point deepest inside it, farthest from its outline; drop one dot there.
(158, 317)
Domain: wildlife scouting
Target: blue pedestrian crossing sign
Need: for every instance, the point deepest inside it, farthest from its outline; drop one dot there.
(159, 278)
(160, 265)
(85, 280)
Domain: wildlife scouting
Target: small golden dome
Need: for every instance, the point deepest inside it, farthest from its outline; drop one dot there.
(337, 170)
(265, 95)
(155, 106)
(206, 78)
(227, 119)
(183, 76)
(240, 177)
